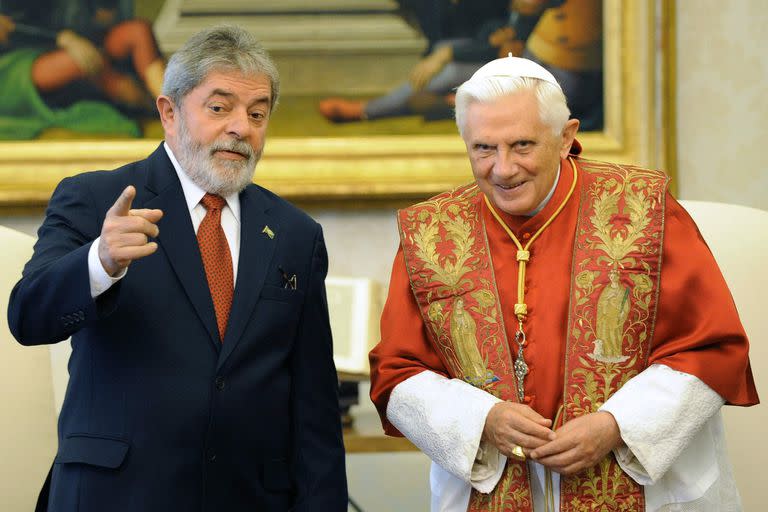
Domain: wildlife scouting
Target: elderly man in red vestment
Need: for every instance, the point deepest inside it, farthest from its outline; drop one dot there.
(557, 334)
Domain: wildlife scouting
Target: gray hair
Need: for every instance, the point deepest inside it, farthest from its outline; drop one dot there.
(553, 108)
(219, 48)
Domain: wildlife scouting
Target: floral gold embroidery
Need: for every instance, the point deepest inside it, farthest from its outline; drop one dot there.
(450, 270)
(616, 264)
(614, 291)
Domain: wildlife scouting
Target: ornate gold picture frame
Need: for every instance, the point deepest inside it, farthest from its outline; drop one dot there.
(639, 129)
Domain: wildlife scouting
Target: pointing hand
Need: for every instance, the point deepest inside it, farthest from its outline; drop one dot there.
(126, 232)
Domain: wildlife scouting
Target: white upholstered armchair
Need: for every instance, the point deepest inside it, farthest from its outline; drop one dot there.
(27, 410)
(738, 238)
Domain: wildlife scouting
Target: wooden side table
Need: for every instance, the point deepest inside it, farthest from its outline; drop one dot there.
(366, 435)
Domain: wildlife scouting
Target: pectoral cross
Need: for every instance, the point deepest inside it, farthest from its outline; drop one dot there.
(521, 367)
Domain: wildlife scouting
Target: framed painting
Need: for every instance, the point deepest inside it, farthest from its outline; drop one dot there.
(391, 161)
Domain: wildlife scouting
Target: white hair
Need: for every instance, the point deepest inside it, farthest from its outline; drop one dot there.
(553, 108)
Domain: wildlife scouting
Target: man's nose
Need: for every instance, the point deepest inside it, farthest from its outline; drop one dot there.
(504, 164)
(239, 124)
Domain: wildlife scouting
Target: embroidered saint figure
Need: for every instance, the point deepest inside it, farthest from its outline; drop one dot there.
(612, 311)
(464, 335)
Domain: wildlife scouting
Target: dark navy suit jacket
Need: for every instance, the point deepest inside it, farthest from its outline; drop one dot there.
(159, 415)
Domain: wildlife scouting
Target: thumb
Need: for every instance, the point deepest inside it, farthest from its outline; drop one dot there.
(123, 204)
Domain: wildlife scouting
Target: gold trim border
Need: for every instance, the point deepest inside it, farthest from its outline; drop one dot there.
(639, 129)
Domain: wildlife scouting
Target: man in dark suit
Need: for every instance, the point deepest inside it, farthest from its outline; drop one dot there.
(201, 375)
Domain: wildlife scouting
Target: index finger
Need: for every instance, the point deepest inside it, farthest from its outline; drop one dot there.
(123, 204)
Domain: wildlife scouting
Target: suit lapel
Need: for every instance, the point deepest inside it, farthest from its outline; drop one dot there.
(256, 251)
(177, 238)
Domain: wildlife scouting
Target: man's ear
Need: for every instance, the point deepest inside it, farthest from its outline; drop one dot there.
(569, 134)
(168, 114)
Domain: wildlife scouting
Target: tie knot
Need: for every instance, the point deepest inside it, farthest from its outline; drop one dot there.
(213, 202)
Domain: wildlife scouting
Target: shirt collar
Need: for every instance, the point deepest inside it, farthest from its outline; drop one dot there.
(193, 193)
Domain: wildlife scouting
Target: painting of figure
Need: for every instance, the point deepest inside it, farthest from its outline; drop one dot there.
(349, 68)
(565, 36)
(77, 66)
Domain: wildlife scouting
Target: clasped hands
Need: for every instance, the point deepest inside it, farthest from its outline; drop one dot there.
(579, 444)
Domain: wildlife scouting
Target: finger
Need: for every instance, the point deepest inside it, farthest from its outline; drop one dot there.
(560, 461)
(528, 442)
(131, 240)
(115, 242)
(559, 445)
(146, 227)
(567, 469)
(132, 224)
(532, 427)
(535, 417)
(134, 252)
(151, 215)
(118, 252)
(123, 203)
(525, 421)
(509, 437)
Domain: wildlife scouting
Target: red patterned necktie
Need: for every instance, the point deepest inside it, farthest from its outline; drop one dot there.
(217, 259)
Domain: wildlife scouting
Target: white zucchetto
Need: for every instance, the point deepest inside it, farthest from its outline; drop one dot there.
(514, 67)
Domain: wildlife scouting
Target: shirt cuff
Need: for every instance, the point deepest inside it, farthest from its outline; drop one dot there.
(488, 468)
(658, 412)
(99, 279)
(424, 408)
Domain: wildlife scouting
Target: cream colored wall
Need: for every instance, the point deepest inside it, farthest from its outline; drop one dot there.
(722, 101)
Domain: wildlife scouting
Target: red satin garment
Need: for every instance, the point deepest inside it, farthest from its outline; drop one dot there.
(698, 330)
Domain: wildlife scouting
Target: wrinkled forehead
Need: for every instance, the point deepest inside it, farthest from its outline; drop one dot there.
(235, 83)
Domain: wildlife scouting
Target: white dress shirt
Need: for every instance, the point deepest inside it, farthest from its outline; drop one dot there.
(230, 223)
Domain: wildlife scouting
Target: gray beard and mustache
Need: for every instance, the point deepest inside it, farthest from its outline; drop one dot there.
(216, 176)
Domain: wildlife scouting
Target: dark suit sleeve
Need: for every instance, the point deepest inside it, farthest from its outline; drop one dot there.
(319, 466)
(53, 298)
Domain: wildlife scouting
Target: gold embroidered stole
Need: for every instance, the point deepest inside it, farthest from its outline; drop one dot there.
(614, 292)
(612, 313)
(449, 266)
